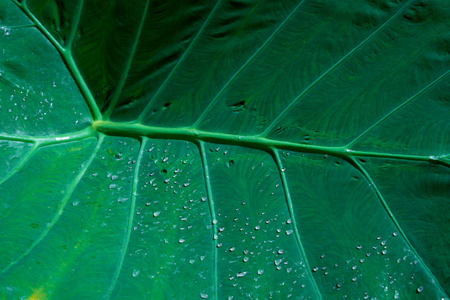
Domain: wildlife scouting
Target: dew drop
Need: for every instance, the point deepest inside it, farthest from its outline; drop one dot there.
(135, 272)
(241, 274)
(419, 289)
(181, 241)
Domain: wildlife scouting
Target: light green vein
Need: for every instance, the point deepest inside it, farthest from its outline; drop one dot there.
(366, 175)
(212, 210)
(175, 68)
(276, 156)
(60, 210)
(249, 60)
(321, 77)
(126, 71)
(126, 241)
(189, 134)
(22, 162)
(52, 140)
(393, 111)
(68, 59)
(75, 26)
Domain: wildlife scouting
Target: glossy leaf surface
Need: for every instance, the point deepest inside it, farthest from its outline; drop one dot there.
(224, 149)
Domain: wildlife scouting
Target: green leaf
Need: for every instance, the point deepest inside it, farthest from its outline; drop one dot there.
(224, 149)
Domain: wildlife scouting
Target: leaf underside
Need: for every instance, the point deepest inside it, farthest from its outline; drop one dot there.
(224, 149)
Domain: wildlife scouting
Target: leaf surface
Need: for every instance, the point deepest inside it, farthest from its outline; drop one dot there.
(224, 149)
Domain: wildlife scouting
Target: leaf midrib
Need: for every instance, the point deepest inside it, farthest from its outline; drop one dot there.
(137, 130)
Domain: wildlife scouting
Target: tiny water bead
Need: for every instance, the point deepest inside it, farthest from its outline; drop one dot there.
(135, 272)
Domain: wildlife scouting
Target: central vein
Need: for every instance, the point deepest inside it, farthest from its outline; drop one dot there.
(192, 134)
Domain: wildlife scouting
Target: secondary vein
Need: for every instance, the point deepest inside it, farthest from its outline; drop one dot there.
(249, 60)
(367, 176)
(212, 210)
(182, 58)
(130, 219)
(279, 163)
(386, 116)
(307, 89)
(126, 71)
(69, 61)
(60, 210)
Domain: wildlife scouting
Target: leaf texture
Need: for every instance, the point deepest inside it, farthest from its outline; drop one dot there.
(224, 149)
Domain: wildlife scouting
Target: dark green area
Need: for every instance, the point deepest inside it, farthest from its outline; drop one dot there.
(227, 149)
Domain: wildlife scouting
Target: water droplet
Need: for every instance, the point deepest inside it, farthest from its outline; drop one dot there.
(280, 251)
(135, 272)
(394, 234)
(260, 272)
(156, 213)
(419, 289)
(241, 274)
(203, 295)
(181, 240)
(315, 269)
(358, 247)
(289, 232)
(114, 177)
